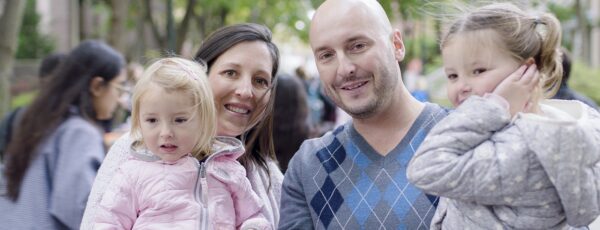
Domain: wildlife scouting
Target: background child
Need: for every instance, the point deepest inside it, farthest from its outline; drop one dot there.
(536, 171)
(162, 185)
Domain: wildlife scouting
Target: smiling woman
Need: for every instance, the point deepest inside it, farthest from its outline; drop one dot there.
(242, 62)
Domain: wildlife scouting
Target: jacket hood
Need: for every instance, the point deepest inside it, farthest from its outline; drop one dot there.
(571, 167)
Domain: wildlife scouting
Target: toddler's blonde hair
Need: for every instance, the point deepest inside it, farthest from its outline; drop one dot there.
(523, 35)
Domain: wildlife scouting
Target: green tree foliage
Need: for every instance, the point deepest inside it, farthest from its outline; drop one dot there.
(32, 44)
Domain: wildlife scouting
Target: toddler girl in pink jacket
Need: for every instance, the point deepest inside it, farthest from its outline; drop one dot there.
(162, 185)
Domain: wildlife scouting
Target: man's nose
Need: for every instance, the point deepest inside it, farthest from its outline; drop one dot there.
(346, 66)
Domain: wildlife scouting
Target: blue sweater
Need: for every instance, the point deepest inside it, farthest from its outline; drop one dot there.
(339, 181)
(57, 183)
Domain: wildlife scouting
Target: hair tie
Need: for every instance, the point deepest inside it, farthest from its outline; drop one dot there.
(537, 21)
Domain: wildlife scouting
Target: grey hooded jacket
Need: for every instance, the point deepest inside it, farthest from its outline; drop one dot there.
(535, 172)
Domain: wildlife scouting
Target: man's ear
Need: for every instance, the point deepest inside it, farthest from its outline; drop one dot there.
(399, 50)
(97, 86)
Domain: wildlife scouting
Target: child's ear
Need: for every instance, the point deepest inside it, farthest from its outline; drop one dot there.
(529, 61)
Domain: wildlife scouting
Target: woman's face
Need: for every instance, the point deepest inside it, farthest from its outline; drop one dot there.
(241, 81)
(106, 98)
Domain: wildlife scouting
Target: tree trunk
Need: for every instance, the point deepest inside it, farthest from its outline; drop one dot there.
(10, 25)
(155, 31)
(118, 25)
(584, 31)
(185, 24)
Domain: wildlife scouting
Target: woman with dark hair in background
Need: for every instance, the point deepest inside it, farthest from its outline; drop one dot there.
(291, 125)
(57, 146)
(242, 62)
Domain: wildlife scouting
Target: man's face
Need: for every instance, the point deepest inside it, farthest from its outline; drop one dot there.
(355, 58)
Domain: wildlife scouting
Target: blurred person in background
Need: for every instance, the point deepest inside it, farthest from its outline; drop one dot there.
(291, 120)
(7, 125)
(565, 92)
(321, 110)
(57, 148)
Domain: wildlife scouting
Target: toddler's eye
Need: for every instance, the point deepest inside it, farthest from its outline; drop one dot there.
(452, 76)
(479, 71)
(151, 120)
(180, 120)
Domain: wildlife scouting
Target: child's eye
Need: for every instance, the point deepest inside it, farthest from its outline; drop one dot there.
(180, 120)
(479, 71)
(151, 120)
(452, 76)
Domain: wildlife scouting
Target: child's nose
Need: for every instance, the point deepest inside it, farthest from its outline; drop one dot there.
(465, 87)
(166, 131)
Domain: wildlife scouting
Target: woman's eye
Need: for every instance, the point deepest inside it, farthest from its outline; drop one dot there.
(262, 82)
(478, 71)
(229, 73)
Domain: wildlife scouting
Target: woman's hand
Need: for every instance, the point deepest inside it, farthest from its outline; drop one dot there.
(518, 88)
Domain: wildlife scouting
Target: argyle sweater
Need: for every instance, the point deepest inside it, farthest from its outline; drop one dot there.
(339, 181)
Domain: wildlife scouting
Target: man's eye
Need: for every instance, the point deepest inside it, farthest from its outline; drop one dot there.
(358, 46)
(325, 56)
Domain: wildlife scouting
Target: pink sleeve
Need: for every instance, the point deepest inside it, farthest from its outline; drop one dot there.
(231, 178)
(117, 208)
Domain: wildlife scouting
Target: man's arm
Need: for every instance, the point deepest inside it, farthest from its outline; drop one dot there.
(294, 211)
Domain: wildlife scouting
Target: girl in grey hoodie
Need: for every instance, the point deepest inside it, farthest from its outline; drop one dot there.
(506, 158)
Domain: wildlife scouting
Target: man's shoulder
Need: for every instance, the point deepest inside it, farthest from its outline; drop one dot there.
(431, 115)
(331, 140)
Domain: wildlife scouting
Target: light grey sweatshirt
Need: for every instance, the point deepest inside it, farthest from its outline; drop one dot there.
(535, 172)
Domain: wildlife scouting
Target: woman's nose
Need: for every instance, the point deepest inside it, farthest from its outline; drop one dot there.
(244, 88)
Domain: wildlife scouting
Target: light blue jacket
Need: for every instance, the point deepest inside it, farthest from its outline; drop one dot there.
(56, 185)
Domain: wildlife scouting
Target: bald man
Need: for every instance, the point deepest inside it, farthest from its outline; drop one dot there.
(355, 176)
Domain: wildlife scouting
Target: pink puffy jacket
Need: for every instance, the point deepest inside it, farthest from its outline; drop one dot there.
(185, 194)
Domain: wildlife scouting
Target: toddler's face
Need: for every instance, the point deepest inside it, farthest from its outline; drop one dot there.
(168, 123)
(473, 68)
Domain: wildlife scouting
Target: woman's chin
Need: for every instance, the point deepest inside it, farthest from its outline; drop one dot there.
(229, 133)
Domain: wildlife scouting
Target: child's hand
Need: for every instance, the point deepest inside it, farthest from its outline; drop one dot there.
(518, 87)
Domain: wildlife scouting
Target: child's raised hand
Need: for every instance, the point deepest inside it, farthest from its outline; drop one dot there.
(518, 87)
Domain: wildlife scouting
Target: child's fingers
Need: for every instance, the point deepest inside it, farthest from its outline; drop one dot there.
(518, 74)
(529, 75)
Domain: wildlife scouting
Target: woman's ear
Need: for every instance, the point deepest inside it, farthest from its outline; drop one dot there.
(97, 86)
(530, 61)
